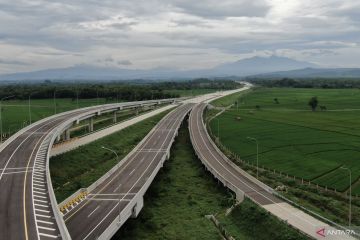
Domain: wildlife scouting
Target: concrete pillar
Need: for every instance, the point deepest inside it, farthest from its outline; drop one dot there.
(91, 124)
(115, 117)
(240, 196)
(67, 135)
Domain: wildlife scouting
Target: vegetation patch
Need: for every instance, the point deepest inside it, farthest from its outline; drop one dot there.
(183, 193)
(81, 167)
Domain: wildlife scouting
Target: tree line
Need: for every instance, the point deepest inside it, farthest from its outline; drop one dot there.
(110, 90)
(308, 83)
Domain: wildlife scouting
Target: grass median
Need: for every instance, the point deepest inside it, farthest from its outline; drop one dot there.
(81, 167)
(183, 193)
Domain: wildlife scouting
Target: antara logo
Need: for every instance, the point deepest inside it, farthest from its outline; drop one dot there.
(327, 232)
(321, 232)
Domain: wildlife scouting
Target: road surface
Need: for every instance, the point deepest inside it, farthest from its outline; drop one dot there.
(242, 183)
(26, 210)
(90, 218)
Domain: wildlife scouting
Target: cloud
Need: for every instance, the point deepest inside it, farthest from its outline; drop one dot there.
(224, 8)
(153, 33)
(12, 62)
(124, 62)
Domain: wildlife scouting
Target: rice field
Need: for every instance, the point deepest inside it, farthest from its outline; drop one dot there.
(313, 145)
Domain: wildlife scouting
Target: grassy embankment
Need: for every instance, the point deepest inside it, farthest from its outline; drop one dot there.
(183, 193)
(84, 165)
(313, 146)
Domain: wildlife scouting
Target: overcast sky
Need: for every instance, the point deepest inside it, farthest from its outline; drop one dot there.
(181, 34)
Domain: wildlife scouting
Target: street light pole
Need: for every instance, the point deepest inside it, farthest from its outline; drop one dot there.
(1, 125)
(30, 108)
(348, 169)
(55, 101)
(117, 159)
(218, 128)
(257, 155)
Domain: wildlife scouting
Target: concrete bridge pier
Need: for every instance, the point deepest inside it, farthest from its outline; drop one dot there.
(91, 124)
(67, 135)
(137, 208)
(240, 196)
(115, 117)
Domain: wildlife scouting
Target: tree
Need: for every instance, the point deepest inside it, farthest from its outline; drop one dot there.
(313, 103)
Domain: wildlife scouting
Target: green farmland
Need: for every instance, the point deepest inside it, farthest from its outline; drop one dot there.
(15, 113)
(293, 139)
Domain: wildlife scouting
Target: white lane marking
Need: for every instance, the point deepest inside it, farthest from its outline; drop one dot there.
(39, 185)
(8, 173)
(39, 189)
(129, 160)
(45, 222)
(277, 204)
(40, 215)
(41, 205)
(38, 179)
(40, 210)
(40, 196)
(39, 192)
(117, 187)
(110, 194)
(48, 235)
(37, 200)
(165, 140)
(21, 143)
(46, 228)
(93, 211)
(39, 182)
(131, 172)
(109, 199)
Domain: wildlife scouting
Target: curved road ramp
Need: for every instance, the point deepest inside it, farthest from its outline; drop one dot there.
(119, 196)
(243, 184)
(28, 208)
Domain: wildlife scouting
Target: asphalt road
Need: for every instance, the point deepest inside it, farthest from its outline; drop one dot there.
(208, 152)
(91, 217)
(25, 207)
(25, 210)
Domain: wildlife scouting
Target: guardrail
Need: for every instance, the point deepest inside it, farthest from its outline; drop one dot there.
(271, 190)
(137, 202)
(82, 113)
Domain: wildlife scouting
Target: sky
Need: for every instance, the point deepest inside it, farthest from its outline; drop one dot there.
(176, 34)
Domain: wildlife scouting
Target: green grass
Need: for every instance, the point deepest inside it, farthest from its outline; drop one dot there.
(230, 99)
(81, 167)
(293, 139)
(15, 113)
(183, 193)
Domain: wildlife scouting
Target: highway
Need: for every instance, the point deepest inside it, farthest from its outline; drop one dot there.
(90, 218)
(223, 167)
(26, 208)
(243, 184)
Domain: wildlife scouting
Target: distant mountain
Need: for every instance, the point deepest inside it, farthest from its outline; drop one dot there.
(257, 65)
(241, 68)
(314, 73)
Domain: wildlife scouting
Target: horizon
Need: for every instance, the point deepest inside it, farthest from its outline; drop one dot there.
(175, 34)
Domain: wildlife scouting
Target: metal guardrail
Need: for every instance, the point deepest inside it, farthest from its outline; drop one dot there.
(83, 113)
(137, 201)
(272, 191)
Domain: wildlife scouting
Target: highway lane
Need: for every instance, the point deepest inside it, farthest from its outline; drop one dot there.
(21, 182)
(203, 144)
(91, 217)
(25, 206)
(242, 183)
